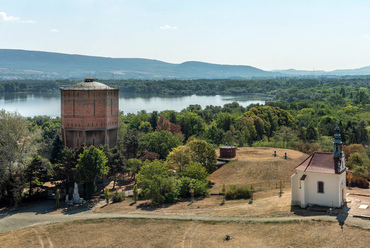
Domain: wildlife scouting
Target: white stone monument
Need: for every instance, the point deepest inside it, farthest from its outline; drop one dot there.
(76, 196)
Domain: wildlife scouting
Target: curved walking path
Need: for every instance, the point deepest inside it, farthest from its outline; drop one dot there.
(38, 215)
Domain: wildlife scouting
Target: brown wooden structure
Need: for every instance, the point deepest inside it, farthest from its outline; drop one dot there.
(227, 151)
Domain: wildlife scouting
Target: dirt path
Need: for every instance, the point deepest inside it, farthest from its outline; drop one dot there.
(27, 218)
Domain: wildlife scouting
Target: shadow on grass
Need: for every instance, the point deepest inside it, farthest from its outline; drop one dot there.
(341, 213)
(76, 209)
(148, 206)
(37, 207)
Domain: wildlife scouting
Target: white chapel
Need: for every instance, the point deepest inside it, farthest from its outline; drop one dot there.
(321, 178)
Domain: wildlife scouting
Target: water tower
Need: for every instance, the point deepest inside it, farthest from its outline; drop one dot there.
(89, 114)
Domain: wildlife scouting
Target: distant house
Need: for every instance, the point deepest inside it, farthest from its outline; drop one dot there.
(321, 178)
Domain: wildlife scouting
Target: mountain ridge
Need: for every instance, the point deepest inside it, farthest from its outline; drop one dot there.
(23, 64)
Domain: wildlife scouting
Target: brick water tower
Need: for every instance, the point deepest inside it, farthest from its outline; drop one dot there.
(89, 114)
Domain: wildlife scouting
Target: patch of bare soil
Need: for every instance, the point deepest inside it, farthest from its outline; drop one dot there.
(167, 233)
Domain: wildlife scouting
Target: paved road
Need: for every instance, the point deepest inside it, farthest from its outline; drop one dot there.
(39, 215)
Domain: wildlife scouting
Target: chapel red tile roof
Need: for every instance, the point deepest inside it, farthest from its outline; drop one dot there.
(321, 162)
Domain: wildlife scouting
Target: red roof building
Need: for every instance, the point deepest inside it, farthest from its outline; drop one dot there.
(321, 178)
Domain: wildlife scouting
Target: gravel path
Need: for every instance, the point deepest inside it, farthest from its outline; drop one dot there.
(39, 215)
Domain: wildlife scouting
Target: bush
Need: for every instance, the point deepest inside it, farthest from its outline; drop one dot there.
(200, 187)
(107, 195)
(135, 192)
(196, 171)
(357, 181)
(156, 183)
(238, 193)
(118, 196)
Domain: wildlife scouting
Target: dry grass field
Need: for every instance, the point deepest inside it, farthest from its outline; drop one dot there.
(210, 206)
(167, 233)
(252, 165)
(258, 166)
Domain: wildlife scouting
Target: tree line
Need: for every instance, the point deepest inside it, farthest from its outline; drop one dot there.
(282, 87)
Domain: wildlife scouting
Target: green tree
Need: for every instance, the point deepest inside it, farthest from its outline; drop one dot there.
(191, 124)
(204, 154)
(35, 173)
(286, 135)
(225, 120)
(172, 116)
(117, 163)
(187, 184)
(159, 142)
(311, 133)
(362, 131)
(134, 166)
(215, 135)
(153, 119)
(129, 144)
(196, 171)
(145, 127)
(156, 183)
(180, 156)
(17, 148)
(64, 170)
(355, 160)
(91, 164)
(56, 152)
(326, 125)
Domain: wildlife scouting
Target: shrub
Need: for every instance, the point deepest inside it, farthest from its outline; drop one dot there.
(196, 171)
(118, 196)
(354, 180)
(234, 193)
(106, 194)
(156, 183)
(200, 187)
(135, 192)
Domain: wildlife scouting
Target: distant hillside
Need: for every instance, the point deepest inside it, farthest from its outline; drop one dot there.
(293, 72)
(344, 72)
(15, 64)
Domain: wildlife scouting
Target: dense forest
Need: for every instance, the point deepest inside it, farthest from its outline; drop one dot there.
(302, 116)
(277, 87)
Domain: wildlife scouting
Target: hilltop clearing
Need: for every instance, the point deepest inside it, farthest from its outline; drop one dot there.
(258, 166)
(251, 165)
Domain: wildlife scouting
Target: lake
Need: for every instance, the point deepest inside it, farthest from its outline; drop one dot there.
(48, 103)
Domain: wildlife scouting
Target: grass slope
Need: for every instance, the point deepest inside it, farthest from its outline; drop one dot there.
(258, 166)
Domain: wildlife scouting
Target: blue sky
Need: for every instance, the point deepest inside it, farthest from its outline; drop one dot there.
(300, 34)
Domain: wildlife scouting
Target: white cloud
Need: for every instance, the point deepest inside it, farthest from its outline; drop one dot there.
(6, 18)
(168, 27)
(54, 30)
(367, 36)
